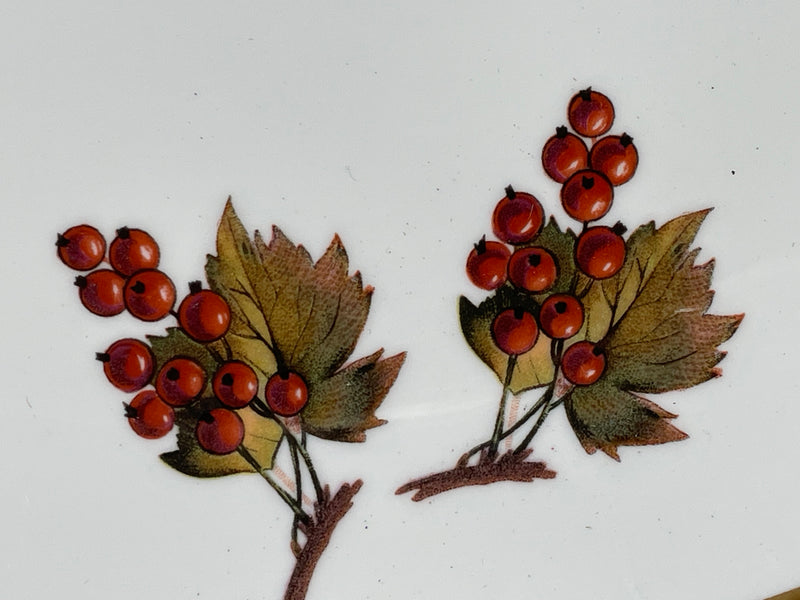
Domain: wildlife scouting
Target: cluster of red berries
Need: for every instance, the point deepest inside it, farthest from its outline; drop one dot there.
(134, 283)
(588, 177)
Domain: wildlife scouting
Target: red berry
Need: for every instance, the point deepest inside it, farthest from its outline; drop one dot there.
(590, 113)
(149, 416)
(515, 331)
(587, 195)
(518, 217)
(101, 292)
(286, 394)
(204, 315)
(220, 431)
(561, 316)
(533, 269)
(81, 247)
(583, 363)
(180, 381)
(600, 251)
(616, 157)
(235, 384)
(128, 364)
(563, 154)
(133, 250)
(487, 264)
(149, 295)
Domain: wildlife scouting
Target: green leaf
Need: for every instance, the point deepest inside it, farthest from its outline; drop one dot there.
(651, 319)
(342, 407)
(262, 439)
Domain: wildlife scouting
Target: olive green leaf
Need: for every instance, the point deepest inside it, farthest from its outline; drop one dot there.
(342, 406)
(289, 312)
(535, 367)
(262, 439)
(651, 321)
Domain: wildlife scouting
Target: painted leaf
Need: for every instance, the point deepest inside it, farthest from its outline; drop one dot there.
(535, 367)
(262, 439)
(604, 417)
(342, 406)
(289, 311)
(651, 320)
(319, 310)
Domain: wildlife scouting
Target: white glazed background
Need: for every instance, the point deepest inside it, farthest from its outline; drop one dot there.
(397, 127)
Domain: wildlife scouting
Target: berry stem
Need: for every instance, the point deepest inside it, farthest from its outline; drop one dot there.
(520, 422)
(498, 424)
(261, 408)
(298, 481)
(296, 508)
(546, 399)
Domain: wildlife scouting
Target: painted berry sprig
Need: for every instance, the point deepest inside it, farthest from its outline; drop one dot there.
(591, 318)
(254, 365)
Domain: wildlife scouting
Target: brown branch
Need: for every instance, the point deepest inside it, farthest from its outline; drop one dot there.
(327, 515)
(509, 467)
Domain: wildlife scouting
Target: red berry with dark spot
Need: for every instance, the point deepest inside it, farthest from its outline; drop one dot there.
(180, 381)
(587, 195)
(600, 251)
(564, 154)
(101, 292)
(286, 393)
(561, 316)
(487, 264)
(149, 416)
(81, 247)
(204, 315)
(590, 113)
(616, 157)
(220, 431)
(583, 363)
(515, 331)
(149, 295)
(235, 384)
(518, 217)
(533, 269)
(133, 250)
(128, 364)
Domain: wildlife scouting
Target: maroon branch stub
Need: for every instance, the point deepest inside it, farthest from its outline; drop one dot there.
(510, 466)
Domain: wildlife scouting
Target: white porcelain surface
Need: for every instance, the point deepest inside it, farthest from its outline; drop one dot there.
(398, 127)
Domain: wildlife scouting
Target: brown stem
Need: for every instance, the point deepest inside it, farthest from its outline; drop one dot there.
(509, 467)
(327, 515)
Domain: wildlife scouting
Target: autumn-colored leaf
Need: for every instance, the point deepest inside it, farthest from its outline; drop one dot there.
(604, 417)
(262, 438)
(319, 309)
(290, 312)
(651, 321)
(343, 406)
